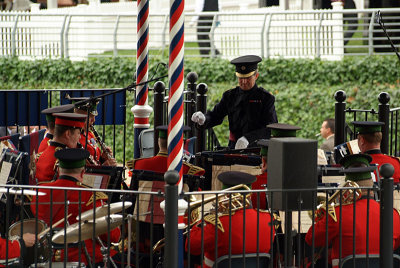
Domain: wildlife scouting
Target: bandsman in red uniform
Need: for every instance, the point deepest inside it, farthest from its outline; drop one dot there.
(248, 234)
(67, 108)
(278, 130)
(369, 141)
(357, 169)
(71, 170)
(159, 163)
(66, 135)
(16, 248)
(97, 156)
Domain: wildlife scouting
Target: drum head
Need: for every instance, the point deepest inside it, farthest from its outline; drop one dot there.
(28, 226)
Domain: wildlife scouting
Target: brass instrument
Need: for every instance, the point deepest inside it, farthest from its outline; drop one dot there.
(224, 203)
(347, 198)
(101, 143)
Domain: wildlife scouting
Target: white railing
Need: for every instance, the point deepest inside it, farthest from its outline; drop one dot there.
(77, 34)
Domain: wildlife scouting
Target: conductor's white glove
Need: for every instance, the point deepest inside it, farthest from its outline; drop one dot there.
(241, 143)
(199, 118)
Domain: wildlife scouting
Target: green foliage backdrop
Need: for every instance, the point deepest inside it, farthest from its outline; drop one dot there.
(304, 88)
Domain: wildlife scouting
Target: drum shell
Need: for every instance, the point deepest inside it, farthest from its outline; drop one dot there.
(43, 245)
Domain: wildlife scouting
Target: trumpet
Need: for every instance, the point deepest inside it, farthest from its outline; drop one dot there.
(347, 197)
(224, 203)
(101, 143)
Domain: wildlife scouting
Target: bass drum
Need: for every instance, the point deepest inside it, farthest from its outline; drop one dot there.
(43, 246)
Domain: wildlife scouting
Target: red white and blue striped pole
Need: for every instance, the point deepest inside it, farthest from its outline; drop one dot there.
(141, 110)
(175, 105)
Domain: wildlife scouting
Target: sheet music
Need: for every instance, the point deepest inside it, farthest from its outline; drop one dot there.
(321, 157)
(305, 221)
(216, 170)
(93, 181)
(5, 172)
(396, 200)
(333, 179)
(353, 144)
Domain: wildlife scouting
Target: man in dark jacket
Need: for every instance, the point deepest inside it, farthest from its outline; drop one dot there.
(249, 108)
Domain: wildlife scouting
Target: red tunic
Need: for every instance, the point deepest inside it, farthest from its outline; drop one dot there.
(257, 185)
(92, 147)
(237, 238)
(347, 230)
(45, 142)
(14, 250)
(380, 159)
(43, 213)
(159, 164)
(46, 163)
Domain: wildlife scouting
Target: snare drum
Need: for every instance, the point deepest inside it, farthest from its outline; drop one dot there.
(43, 248)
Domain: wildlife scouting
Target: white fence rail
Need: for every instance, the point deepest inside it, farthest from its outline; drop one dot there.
(78, 34)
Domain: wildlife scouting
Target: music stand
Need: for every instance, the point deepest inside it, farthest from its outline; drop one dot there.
(10, 170)
(105, 177)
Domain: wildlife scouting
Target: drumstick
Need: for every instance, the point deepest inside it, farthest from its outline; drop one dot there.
(54, 225)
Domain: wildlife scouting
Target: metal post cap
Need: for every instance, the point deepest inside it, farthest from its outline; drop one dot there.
(386, 170)
(192, 77)
(202, 88)
(159, 87)
(171, 177)
(384, 98)
(340, 96)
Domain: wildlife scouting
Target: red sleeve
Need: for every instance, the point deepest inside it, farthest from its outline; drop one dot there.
(320, 231)
(13, 249)
(195, 239)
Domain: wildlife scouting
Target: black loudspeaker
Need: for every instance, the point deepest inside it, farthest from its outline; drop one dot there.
(292, 167)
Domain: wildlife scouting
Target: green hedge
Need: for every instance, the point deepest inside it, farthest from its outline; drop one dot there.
(304, 88)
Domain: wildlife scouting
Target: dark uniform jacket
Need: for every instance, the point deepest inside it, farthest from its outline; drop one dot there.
(86, 203)
(347, 230)
(249, 112)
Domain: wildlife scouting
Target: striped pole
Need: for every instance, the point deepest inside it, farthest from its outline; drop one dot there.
(141, 110)
(176, 76)
(175, 105)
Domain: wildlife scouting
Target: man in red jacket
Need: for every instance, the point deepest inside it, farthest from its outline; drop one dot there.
(99, 157)
(254, 235)
(50, 118)
(357, 169)
(67, 133)
(52, 206)
(369, 141)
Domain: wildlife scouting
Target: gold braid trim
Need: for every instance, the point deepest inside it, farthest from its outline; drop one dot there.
(193, 169)
(210, 218)
(99, 196)
(131, 163)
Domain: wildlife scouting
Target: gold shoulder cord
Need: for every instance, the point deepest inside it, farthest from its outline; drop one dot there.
(210, 218)
(131, 163)
(193, 169)
(99, 196)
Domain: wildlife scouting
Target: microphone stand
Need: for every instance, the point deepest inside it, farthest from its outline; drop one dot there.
(379, 20)
(93, 99)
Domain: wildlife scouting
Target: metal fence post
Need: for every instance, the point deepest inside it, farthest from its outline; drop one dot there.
(115, 36)
(13, 39)
(371, 34)
(384, 110)
(340, 118)
(386, 217)
(159, 93)
(190, 102)
(201, 105)
(171, 178)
